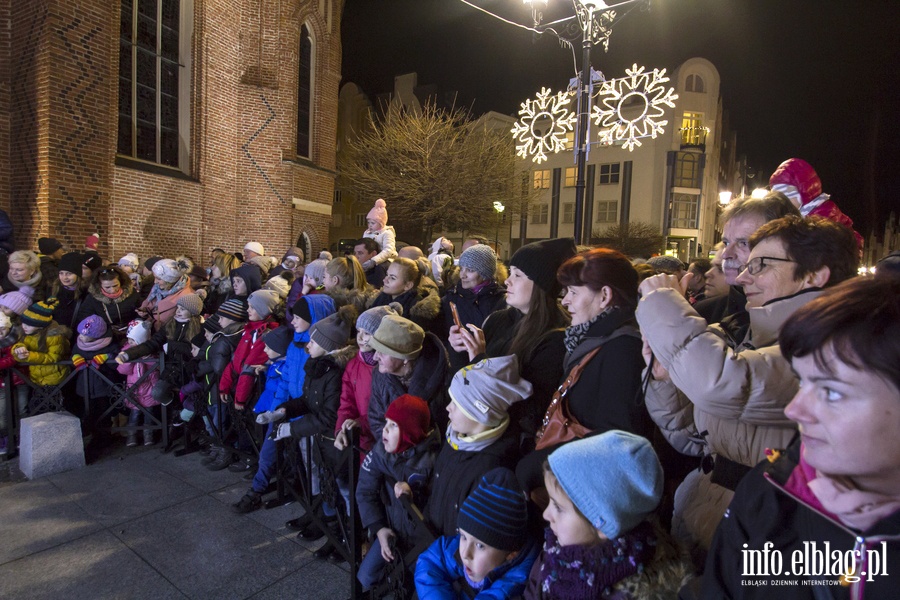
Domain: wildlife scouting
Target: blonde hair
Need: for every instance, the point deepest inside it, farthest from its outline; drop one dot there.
(27, 258)
(410, 270)
(348, 270)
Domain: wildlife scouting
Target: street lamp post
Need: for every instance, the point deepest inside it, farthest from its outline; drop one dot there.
(498, 206)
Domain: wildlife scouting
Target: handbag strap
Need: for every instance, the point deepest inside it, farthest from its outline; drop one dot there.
(575, 374)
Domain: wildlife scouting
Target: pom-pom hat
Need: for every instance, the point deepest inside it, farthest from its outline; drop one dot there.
(379, 212)
(40, 314)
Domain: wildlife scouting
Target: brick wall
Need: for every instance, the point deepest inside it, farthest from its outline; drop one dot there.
(58, 129)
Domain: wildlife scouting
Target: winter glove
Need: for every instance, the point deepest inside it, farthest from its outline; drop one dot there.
(99, 359)
(269, 417)
(284, 431)
(78, 362)
(225, 398)
(368, 265)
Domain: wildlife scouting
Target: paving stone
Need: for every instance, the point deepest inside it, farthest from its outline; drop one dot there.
(50, 443)
(316, 580)
(95, 566)
(189, 470)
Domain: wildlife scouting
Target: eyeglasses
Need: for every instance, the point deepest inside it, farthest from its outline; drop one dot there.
(755, 265)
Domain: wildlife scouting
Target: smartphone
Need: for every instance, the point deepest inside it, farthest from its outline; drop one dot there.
(455, 315)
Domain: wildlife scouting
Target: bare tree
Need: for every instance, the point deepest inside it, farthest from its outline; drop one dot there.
(637, 239)
(435, 166)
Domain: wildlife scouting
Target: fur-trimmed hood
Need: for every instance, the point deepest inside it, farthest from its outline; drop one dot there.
(359, 299)
(95, 291)
(427, 305)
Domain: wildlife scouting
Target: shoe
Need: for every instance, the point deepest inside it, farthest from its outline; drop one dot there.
(222, 461)
(205, 450)
(325, 551)
(131, 440)
(249, 475)
(300, 523)
(243, 466)
(250, 502)
(213, 455)
(3, 442)
(148, 437)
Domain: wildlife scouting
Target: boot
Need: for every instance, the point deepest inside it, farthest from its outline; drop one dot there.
(301, 523)
(149, 437)
(329, 548)
(131, 439)
(213, 455)
(222, 461)
(251, 501)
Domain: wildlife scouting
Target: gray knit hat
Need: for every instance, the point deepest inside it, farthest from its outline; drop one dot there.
(480, 258)
(485, 390)
(666, 264)
(332, 332)
(398, 337)
(192, 303)
(316, 270)
(622, 491)
(371, 319)
(264, 302)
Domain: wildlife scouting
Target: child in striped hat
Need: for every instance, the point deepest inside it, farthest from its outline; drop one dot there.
(46, 342)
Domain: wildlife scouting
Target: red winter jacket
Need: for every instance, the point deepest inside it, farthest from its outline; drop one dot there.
(250, 351)
(6, 361)
(356, 389)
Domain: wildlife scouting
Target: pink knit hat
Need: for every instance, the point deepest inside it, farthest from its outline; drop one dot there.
(17, 301)
(379, 212)
(92, 241)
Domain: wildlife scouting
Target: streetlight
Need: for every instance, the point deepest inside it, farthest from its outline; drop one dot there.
(498, 206)
(724, 198)
(759, 193)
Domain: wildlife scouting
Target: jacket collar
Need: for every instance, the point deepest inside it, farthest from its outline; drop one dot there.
(766, 320)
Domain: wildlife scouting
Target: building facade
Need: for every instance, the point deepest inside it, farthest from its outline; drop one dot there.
(169, 126)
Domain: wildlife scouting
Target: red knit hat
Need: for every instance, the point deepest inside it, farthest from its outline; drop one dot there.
(412, 416)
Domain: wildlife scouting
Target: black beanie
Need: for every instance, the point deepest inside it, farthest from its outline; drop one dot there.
(300, 308)
(540, 261)
(496, 512)
(48, 245)
(91, 260)
(279, 339)
(152, 261)
(71, 262)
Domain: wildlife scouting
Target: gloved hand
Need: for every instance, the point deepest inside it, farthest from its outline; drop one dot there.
(368, 265)
(78, 362)
(284, 431)
(225, 398)
(99, 359)
(270, 416)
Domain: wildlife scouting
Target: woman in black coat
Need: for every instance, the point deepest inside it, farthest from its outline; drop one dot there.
(112, 297)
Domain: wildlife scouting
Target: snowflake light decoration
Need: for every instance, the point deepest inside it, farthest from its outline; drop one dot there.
(549, 111)
(642, 96)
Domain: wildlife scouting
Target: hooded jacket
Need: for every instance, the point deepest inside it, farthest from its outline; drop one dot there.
(271, 398)
(45, 372)
(215, 356)
(117, 312)
(429, 380)
(251, 275)
(320, 306)
(769, 507)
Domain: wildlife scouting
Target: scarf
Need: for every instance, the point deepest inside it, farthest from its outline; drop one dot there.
(575, 334)
(95, 345)
(368, 358)
(157, 294)
(840, 498)
(573, 572)
(114, 295)
(34, 282)
(479, 441)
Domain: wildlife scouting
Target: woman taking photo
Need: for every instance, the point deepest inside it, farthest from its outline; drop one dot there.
(531, 327)
(604, 344)
(112, 297)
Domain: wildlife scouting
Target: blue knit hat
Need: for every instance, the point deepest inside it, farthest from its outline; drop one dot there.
(614, 479)
(496, 512)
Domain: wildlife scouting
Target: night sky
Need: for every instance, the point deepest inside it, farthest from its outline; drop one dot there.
(812, 79)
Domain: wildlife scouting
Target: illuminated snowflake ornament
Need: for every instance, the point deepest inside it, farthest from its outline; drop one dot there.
(543, 125)
(631, 107)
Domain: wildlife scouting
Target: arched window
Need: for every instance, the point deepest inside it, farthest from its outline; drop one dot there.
(694, 83)
(305, 82)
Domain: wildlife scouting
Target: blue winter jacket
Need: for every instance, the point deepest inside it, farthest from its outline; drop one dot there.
(272, 395)
(320, 306)
(439, 567)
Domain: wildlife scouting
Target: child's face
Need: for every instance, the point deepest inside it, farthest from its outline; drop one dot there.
(299, 324)
(373, 225)
(67, 278)
(460, 423)
(252, 315)
(29, 329)
(478, 558)
(4, 331)
(390, 435)
(271, 353)
(225, 321)
(7, 311)
(239, 285)
(315, 350)
(395, 282)
(127, 268)
(567, 524)
(362, 340)
(84, 339)
(182, 314)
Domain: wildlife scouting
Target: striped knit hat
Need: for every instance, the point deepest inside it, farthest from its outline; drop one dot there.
(40, 314)
(234, 309)
(496, 512)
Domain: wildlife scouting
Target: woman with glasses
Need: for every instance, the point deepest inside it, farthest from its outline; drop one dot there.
(724, 398)
(112, 297)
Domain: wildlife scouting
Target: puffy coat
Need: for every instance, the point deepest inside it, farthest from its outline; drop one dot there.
(387, 241)
(377, 504)
(800, 174)
(57, 340)
(320, 306)
(356, 390)
(473, 307)
(737, 396)
(440, 574)
(428, 381)
(271, 396)
(421, 305)
(457, 473)
(90, 384)
(215, 356)
(117, 312)
(141, 389)
(321, 395)
(772, 506)
(250, 351)
(161, 311)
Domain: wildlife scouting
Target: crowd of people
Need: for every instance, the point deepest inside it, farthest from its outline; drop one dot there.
(575, 424)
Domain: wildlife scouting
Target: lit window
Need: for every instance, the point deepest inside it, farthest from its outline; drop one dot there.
(609, 174)
(683, 213)
(687, 170)
(571, 176)
(305, 94)
(694, 83)
(539, 214)
(692, 131)
(568, 212)
(606, 211)
(154, 86)
(570, 140)
(542, 179)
